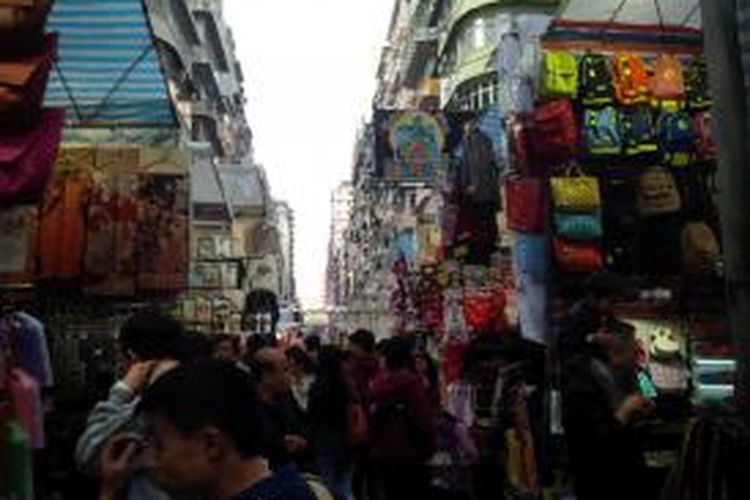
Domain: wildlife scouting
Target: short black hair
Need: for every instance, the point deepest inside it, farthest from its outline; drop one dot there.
(298, 356)
(313, 342)
(235, 340)
(364, 339)
(399, 353)
(209, 393)
(151, 334)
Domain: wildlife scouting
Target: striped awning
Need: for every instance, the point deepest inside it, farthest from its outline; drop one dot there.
(108, 72)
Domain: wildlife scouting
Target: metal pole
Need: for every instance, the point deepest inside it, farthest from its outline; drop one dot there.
(726, 78)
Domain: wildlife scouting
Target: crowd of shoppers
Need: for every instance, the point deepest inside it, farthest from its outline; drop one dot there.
(201, 417)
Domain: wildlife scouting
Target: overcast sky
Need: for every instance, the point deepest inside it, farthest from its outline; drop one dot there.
(310, 77)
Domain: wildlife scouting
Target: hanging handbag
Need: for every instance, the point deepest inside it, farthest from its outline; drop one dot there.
(26, 158)
(524, 198)
(658, 193)
(576, 192)
(22, 84)
(576, 257)
(668, 79)
(559, 75)
(554, 135)
(580, 227)
(700, 249)
(22, 25)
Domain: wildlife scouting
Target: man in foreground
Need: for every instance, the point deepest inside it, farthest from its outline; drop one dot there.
(206, 440)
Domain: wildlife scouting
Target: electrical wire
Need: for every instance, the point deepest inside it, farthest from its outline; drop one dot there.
(691, 13)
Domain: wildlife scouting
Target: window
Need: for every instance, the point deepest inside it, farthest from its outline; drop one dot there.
(476, 94)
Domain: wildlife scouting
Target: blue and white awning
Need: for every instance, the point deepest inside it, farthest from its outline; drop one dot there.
(108, 72)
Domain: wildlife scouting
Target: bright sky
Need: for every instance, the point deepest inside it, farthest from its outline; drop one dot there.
(310, 77)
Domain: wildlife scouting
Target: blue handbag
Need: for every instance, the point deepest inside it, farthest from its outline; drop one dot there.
(584, 227)
(531, 255)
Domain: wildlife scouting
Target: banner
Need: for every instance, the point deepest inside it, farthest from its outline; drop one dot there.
(415, 146)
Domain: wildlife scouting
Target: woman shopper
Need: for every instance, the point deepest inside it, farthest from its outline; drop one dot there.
(402, 425)
(330, 401)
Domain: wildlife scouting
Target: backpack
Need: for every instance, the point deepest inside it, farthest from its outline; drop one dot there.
(700, 249)
(554, 134)
(696, 85)
(601, 131)
(595, 80)
(630, 79)
(705, 148)
(657, 193)
(667, 81)
(637, 131)
(559, 75)
(676, 138)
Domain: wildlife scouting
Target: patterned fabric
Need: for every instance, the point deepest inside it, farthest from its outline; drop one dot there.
(162, 232)
(62, 232)
(111, 232)
(17, 230)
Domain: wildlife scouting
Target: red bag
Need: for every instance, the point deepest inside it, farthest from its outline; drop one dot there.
(524, 198)
(484, 311)
(357, 430)
(575, 257)
(705, 147)
(518, 133)
(555, 134)
(22, 84)
(26, 158)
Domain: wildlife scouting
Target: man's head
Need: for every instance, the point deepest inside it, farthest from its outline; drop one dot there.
(150, 335)
(399, 354)
(228, 348)
(617, 340)
(313, 343)
(204, 418)
(362, 344)
(273, 372)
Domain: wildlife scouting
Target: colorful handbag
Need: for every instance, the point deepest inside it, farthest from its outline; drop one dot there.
(531, 256)
(22, 84)
(576, 257)
(26, 158)
(580, 227)
(630, 79)
(657, 193)
(524, 198)
(559, 75)
(576, 193)
(601, 131)
(554, 135)
(668, 79)
(22, 25)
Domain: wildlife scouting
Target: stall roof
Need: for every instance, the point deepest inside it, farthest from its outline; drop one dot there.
(108, 71)
(655, 12)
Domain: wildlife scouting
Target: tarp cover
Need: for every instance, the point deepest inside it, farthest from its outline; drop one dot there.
(673, 12)
(108, 71)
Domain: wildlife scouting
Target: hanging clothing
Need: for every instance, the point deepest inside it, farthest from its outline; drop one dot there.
(62, 231)
(18, 476)
(111, 224)
(17, 233)
(25, 337)
(477, 177)
(162, 232)
(27, 404)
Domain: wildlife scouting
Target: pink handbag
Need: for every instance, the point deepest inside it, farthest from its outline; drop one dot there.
(26, 158)
(23, 81)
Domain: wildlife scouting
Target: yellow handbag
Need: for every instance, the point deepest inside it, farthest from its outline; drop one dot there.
(576, 192)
